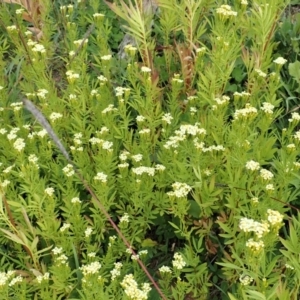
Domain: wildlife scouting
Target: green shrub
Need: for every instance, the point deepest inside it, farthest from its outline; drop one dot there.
(179, 143)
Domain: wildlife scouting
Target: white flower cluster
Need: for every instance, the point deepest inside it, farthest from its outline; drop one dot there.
(121, 90)
(245, 279)
(101, 177)
(178, 261)
(270, 187)
(109, 108)
(226, 11)
(124, 218)
(165, 269)
(17, 105)
(180, 190)
(141, 170)
(297, 135)
(65, 227)
(80, 42)
(201, 146)
(242, 94)
(75, 200)
(49, 191)
(19, 144)
(245, 113)
(54, 116)
(137, 157)
(88, 232)
(255, 246)
(16, 280)
(295, 117)
(5, 277)
(91, 268)
(140, 119)
(145, 69)
(4, 183)
(68, 170)
(249, 225)
(124, 155)
(280, 61)
(131, 289)
(130, 49)
(12, 134)
(252, 165)
(41, 93)
(260, 73)
(116, 271)
(167, 118)
(36, 47)
(181, 135)
(98, 15)
(266, 175)
(274, 217)
(223, 100)
(267, 108)
(144, 131)
(44, 277)
(71, 75)
(106, 57)
(59, 257)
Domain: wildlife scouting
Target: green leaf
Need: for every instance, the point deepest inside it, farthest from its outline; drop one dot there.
(148, 243)
(294, 70)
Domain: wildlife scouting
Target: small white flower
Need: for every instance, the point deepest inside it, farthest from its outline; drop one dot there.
(57, 250)
(165, 269)
(280, 61)
(69, 170)
(140, 119)
(109, 108)
(42, 133)
(38, 48)
(98, 15)
(295, 117)
(91, 268)
(102, 78)
(167, 118)
(141, 170)
(124, 218)
(178, 262)
(145, 69)
(101, 177)
(159, 167)
(123, 166)
(19, 144)
(270, 187)
(75, 200)
(16, 280)
(274, 217)
(71, 75)
(265, 174)
(88, 232)
(124, 155)
(245, 280)
(180, 190)
(65, 227)
(49, 191)
(252, 165)
(144, 131)
(54, 116)
(261, 73)
(106, 57)
(137, 157)
(267, 108)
